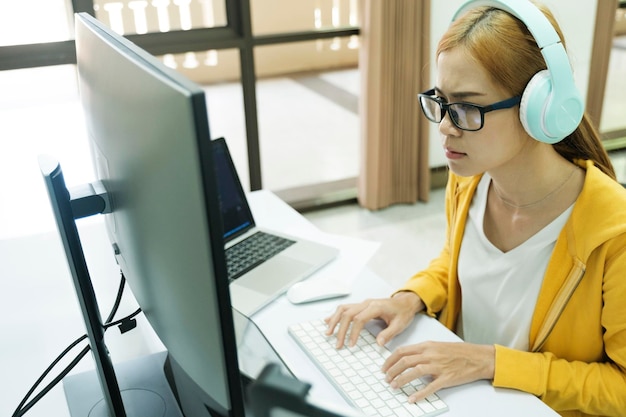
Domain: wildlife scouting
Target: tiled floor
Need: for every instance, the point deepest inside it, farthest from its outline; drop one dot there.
(409, 235)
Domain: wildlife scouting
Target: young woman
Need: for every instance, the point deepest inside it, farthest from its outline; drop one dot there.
(533, 272)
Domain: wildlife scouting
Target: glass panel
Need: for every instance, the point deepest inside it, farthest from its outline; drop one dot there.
(308, 113)
(308, 117)
(40, 114)
(226, 119)
(34, 21)
(309, 128)
(143, 16)
(268, 16)
(206, 67)
(315, 55)
(219, 73)
(613, 121)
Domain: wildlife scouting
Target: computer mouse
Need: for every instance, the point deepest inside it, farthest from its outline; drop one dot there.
(309, 291)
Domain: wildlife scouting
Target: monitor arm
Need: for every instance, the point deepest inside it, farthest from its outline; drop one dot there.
(89, 199)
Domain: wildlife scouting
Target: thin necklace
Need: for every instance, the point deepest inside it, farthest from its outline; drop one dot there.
(534, 203)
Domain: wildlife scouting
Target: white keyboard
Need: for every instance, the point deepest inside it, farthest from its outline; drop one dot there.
(355, 372)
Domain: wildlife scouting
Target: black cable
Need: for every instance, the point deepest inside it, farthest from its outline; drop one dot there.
(45, 373)
(118, 298)
(20, 411)
(125, 324)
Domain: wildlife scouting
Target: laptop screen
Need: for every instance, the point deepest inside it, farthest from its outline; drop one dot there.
(236, 214)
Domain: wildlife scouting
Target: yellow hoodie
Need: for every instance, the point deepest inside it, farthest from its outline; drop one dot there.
(577, 362)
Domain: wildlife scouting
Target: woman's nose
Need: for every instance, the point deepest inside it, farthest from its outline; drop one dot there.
(447, 128)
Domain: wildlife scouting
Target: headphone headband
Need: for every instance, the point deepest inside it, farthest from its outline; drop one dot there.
(553, 107)
(541, 29)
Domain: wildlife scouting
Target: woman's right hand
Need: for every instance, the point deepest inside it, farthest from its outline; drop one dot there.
(397, 312)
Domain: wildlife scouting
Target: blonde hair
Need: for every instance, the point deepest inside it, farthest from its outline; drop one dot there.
(504, 46)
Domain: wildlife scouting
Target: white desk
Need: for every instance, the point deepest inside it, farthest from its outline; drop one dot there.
(39, 316)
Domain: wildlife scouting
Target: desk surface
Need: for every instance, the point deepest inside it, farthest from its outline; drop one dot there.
(40, 315)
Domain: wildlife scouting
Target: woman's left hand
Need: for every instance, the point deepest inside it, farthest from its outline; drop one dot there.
(447, 363)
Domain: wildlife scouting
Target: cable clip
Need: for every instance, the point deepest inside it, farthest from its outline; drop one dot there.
(127, 325)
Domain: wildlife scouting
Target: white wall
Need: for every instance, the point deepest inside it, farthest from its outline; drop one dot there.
(576, 20)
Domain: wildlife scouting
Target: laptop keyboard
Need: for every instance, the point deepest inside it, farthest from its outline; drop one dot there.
(253, 251)
(356, 373)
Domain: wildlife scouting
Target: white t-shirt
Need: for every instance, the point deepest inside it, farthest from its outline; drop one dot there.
(499, 290)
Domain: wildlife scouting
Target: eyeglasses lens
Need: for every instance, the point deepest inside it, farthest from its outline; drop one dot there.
(431, 108)
(464, 116)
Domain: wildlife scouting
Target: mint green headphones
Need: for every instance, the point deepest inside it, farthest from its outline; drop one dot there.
(551, 106)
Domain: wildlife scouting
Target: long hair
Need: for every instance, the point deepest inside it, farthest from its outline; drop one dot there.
(506, 49)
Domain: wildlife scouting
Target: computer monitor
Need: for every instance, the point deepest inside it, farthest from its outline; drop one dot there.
(150, 141)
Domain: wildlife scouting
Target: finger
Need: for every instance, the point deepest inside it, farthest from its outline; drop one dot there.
(395, 374)
(355, 330)
(411, 374)
(345, 325)
(352, 323)
(334, 319)
(428, 390)
(394, 328)
(398, 355)
(344, 328)
(363, 317)
(331, 322)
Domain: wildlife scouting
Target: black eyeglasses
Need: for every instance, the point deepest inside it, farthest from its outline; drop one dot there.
(465, 116)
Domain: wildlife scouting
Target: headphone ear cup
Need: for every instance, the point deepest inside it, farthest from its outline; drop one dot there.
(533, 106)
(546, 117)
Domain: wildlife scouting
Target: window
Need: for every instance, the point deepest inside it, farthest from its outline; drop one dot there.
(233, 48)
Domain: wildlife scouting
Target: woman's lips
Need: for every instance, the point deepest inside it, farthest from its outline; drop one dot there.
(452, 154)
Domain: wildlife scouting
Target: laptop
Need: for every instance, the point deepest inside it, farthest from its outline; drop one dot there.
(290, 259)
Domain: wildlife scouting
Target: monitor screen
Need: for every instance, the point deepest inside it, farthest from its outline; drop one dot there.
(149, 136)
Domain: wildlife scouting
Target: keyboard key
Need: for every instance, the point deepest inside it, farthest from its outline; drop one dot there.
(252, 251)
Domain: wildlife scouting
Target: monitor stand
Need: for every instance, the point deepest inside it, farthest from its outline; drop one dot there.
(110, 398)
(145, 390)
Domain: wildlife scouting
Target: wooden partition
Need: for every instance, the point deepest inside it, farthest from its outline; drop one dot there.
(394, 163)
(600, 55)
